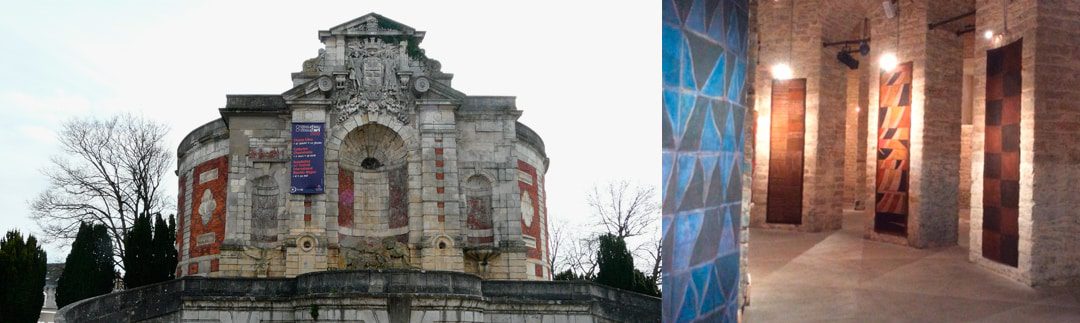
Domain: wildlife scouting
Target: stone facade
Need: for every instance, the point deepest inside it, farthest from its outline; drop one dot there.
(366, 296)
(415, 174)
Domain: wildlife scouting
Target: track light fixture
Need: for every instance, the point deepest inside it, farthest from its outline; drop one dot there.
(844, 57)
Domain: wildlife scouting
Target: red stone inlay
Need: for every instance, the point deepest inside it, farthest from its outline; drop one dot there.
(532, 228)
(439, 163)
(440, 176)
(216, 223)
(345, 198)
(440, 190)
(438, 151)
(399, 197)
(193, 268)
(539, 271)
(214, 265)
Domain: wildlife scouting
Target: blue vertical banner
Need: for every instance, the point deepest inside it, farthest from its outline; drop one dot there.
(307, 158)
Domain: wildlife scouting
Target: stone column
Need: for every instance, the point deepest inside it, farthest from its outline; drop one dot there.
(935, 112)
(1048, 248)
(797, 40)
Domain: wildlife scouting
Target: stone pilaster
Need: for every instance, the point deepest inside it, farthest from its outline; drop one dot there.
(442, 233)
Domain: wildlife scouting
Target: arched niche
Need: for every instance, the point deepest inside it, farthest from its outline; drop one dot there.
(479, 210)
(373, 186)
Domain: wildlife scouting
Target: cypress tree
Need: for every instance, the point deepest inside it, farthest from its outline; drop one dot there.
(139, 262)
(22, 278)
(164, 253)
(88, 270)
(616, 267)
(615, 264)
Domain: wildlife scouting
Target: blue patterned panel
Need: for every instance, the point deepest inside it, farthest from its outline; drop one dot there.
(704, 73)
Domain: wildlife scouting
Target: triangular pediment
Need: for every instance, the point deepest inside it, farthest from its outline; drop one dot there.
(371, 24)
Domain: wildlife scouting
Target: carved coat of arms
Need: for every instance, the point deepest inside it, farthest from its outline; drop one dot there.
(372, 84)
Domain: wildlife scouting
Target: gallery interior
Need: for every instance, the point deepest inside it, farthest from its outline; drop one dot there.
(896, 160)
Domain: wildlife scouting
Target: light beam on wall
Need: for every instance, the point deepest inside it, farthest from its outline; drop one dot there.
(781, 71)
(888, 62)
(988, 34)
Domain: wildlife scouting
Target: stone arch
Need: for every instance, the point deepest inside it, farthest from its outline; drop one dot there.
(479, 210)
(372, 186)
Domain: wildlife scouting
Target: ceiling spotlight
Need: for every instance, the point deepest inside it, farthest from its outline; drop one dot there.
(864, 48)
(781, 71)
(844, 57)
(888, 62)
(890, 8)
(989, 34)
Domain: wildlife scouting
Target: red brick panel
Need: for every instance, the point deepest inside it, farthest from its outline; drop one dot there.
(345, 198)
(216, 224)
(531, 228)
(399, 197)
(785, 189)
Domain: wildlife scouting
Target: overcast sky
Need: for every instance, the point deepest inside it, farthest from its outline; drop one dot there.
(585, 73)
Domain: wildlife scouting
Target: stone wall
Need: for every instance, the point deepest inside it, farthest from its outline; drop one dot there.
(1048, 249)
(199, 244)
(1022, 25)
(796, 40)
(365, 296)
(1057, 126)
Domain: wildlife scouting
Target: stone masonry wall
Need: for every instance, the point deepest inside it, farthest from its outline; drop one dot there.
(797, 41)
(367, 296)
(1022, 25)
(1055, 207)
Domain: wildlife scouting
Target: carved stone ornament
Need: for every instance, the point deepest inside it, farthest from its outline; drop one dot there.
(370, 24)
(372, 85)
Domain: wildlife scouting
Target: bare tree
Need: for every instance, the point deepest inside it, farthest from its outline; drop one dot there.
(558, 234)
(581, 255)
(652, 250)
(110, 171)
(624, 209)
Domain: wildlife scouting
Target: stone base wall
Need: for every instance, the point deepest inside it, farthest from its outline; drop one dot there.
(366, 296)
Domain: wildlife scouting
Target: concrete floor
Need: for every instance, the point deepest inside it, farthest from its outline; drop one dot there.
(839, 277)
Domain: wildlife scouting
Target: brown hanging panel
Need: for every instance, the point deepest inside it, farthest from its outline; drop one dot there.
(893, 151)
(1001, 175)
(787, 128)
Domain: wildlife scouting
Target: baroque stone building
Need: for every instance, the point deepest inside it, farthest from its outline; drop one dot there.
(371, 191)
(372, 160)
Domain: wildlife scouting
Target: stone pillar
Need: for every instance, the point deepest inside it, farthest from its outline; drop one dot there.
(797, 40)
(1048, 248)
(441, 239)
(935, 112)
(855, 138)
